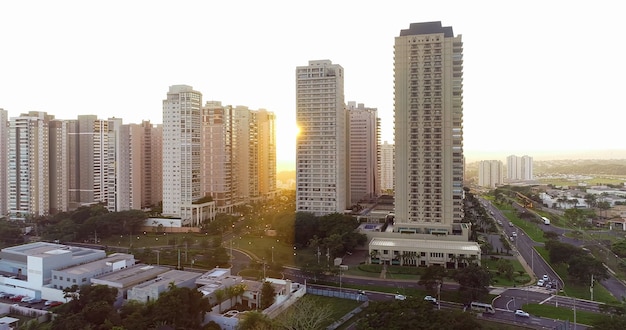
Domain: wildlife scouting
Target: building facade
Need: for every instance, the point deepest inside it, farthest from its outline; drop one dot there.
(322, 180)
(28, 166)
(428, 71)
(363, 150)
(490, 173)
(387, 168)
(4, 143)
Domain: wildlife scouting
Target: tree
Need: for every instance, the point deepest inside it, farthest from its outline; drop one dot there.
(432, 276)
(255, 320)
(609, 323)
(559, 252)
(307, 313)
(505, 267)
(220, 295)
(473, 281)
(268, 295)
(550, 235)
(583, 266)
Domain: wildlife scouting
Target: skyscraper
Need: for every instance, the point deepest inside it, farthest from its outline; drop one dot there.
(428, 71)
(519, 168)
(28, 166)
(182, 156)
(321, 148)
(4, 142)
(59, 165)
(363, 150)
(386, 167)
(490, 173)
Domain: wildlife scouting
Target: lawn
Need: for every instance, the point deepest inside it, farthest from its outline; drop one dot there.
(500, 280)
(559, 313)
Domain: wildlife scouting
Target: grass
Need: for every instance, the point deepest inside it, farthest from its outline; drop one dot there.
(338, 306)
(559, 313)
(501, 280)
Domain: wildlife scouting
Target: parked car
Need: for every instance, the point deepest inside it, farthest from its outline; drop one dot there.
(400, 297)
(521, 313)
(27, 299)
(17, 297)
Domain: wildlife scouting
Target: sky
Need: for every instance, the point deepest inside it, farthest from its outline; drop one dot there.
(541, 78)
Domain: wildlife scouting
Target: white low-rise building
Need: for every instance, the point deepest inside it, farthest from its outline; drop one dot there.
(420, 252)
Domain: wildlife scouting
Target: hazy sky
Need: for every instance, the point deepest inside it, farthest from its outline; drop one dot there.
(539, 76)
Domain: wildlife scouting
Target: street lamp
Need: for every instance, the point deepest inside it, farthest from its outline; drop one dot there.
(272, 254)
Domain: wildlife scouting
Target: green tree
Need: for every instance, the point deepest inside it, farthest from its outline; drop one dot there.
(268, 295)
(609, 323)
(308, 313)
(473, 281)
(619, 248)
(255, 320)
(432, 276)
(506, 268)
(583, 266)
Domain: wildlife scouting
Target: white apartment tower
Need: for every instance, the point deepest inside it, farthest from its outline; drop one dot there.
(519, 168)
(181, 153)
(428, 79)
(4, 143)
(321, 148)
(363, 150)
(28, 166)
(386, 168)
(266, 153)
(490, 173)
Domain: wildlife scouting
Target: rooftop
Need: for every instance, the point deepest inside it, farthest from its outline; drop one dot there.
(424, 244)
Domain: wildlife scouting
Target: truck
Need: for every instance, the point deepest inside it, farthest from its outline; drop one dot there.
(546, 221)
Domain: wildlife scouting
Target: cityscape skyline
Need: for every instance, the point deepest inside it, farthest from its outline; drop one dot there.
(525, 92)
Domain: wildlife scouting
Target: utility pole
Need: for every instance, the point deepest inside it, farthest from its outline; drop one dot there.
(591, 287)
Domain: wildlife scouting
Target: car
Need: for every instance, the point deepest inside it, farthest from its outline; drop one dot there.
(514, 234)
(431, 299)
(400, 297)
(17, 297)
(27, 299)
(545, 278)
(52, 303)
(540, 283)
(510, 224)
(361, 291)
(4, 295)
(512, 238)
(521, 313)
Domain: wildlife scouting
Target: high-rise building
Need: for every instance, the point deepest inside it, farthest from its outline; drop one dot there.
(428, 71)
(386, 168)
(363, 151)
(59, 165)
(28, 166)
(321, 148)
(519, 168)
(182, 158)
(155, 165)
(217, 154)
(490, 173)
(4, 142)
(266, 153)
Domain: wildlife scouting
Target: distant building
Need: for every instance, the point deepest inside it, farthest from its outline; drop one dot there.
(363, 151)
(152, 289)
(490, 173)
(386, 167)
(519, 168)
(4, 142)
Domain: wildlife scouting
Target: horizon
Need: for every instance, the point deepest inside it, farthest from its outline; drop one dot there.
(524, 90)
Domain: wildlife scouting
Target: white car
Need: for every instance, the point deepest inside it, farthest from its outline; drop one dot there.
(546, 278)
(27, 299)
(514, 234)
(400, 297)
(431, 299)
(521, 313)
(540, 283)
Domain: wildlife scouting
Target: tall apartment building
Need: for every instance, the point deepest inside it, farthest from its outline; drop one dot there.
(519, 168)
(363, 150)
(89, 160)
(4, 143)
(428, 71)
(182, 156)
(151, 173)
(490, 173)
(322, 181)
(266, 153)
(28, 166)
(218, 136)
(387, 167)
(59, 165)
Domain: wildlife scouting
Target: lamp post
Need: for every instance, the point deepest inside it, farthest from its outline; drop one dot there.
(272, 254)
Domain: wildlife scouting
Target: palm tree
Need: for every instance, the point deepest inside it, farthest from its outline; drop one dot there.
(374, 255)
(238, 290)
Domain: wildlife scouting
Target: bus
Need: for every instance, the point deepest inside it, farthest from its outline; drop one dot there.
(482, 307)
